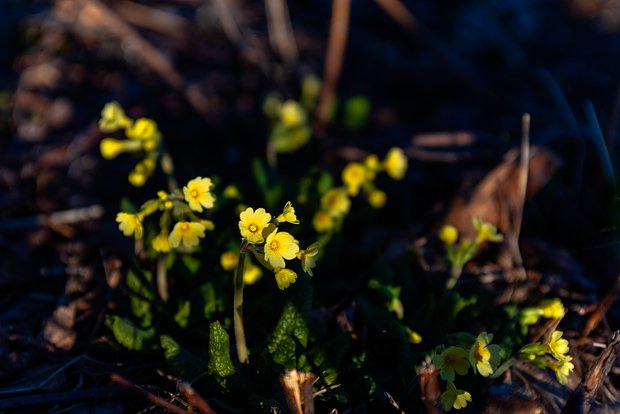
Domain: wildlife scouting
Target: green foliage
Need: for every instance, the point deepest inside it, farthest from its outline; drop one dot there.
(290, 331)
(129, 335)
(220, 363)
(181, 362)
(182, 315)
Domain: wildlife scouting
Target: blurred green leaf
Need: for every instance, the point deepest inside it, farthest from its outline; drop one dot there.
(129, 335)
(182, 315)
(356, 112)
(191, 263)
(181, 362)
(325, 182)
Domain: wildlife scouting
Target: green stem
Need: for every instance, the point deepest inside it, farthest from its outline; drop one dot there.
(242, 349)
(455, 274)
(502, 368)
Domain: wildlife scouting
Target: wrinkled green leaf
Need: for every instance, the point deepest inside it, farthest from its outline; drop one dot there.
(182, 315)
(290, 328)
(220, 363)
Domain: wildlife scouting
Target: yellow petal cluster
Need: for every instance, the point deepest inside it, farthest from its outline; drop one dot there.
(280, 246)
(186, 233)
(113, 118)
(395, 163)
(483, 356)
(285, 277)
(448, 234)
(354, 176)
(130, 224)
(252, 223)
(160, 243)
(451, 360)
(288, 214)
(197, 194)
(454, 398)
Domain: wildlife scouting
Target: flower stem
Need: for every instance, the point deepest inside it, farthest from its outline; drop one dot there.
(242, 349)
(162, 279)
(455, 274)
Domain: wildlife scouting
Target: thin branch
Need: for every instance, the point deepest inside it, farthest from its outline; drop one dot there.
(524, 166)
(119, 379)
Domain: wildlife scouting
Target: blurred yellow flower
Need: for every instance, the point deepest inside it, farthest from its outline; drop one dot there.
(142, 129)
(130, 224)
(186, 233)
(486, 231)
(288, 214)
(231, 192)
(552, 308)
(111, 147)
(395, 163)
(284, 278)
(454, 398)
(372, 163)
(113, 118)
(336, 202)
(353, 176)
(228, 260)
(483, 356)
(252, 223)
(451, 360)
(558, 346)
(251, 273)
(160, 243)
(197, 194)
(376, 198)
(308, 257)
(448, 234)
(280, 246)
(562, 369)
(322, 222)
(413, 336)
(292, 114)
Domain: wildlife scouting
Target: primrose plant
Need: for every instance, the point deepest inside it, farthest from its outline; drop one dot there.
(272, 248)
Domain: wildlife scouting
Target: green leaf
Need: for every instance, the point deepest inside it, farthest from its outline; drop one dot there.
(325, 182)
(127, 206)
(220, 363)
(291, 328)
(212, 302)
(182, 315)
(191, 263)
(356, 112)
(141, 309)
(180, 361)
(140, 283)
(260, 174)
(129, 335)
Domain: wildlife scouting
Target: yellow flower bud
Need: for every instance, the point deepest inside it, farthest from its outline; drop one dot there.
(448, 234)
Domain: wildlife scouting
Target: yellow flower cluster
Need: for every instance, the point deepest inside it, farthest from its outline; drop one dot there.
(459, 254)
(547, 308)
(482, 356)
(552, 354)
(291, 128)
(358, 178)
(178, 206)
(272, 247)
(143, 137)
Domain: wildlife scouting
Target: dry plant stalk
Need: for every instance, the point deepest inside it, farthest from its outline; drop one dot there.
(429, 387)
(281, 35)
(338, 32)
(597, 374)
(298, 391)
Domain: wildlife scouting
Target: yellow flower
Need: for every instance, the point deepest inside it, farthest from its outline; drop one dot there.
(376, 198)
(231, 192)
(308, 257)
(336, 202)
(113, 118)
(484, 358)
(486, 231)
(288, 214)
(558, 346)
(453, 359)
(552, 308)
(111, 147)
(372, 163)
(251, 273)
(137, 178)
(562, 369)
(280, 246)
(228, 260)
(143, 129)
(160, 243)
(284, 278)
(197, 194)
(130, 224)
(454, 398)
(186, 233)
(322, 222)
(413, 336)
(291, 114)
(353, 176)
(252, 223)
(448, 234)
(395, 163)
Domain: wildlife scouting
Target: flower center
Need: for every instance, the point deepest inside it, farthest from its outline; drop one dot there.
(449, 360)
(194, 193)
(184, 227)
(273, 245)
(253, 228)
